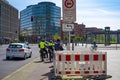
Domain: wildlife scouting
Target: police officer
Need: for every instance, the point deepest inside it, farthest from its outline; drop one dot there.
(51, 49)
(43, 49)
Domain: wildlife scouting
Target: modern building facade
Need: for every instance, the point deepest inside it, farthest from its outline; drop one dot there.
(9, 24)
(41, 20)
(80, 29)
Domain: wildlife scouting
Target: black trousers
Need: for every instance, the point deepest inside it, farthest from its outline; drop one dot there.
(43, 53)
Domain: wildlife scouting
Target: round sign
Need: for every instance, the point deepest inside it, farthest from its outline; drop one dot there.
(69, 3)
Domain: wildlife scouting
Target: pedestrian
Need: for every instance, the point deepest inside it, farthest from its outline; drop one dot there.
(43, 51)
(58, 45)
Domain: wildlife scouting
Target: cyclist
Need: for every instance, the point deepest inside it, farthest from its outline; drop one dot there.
(43, 50)
(51, 49)
(94, 47)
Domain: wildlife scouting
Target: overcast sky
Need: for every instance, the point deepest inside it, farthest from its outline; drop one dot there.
(93, 13)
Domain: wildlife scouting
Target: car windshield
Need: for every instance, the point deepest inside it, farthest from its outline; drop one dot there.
(15, 46)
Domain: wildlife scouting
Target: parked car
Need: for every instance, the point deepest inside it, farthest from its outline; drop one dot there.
(18, 50)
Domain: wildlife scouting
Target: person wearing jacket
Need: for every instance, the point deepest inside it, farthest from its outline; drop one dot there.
(42, 46)
(51, 49)
(58, 45)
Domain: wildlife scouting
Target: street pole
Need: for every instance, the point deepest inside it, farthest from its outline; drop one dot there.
(69, 40)
(72, 44)
(68, 45)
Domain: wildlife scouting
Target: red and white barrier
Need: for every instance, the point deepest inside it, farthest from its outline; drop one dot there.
(84, 63)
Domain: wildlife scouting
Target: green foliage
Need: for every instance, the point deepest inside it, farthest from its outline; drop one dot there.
(113, 40)
(56, 36)
(78, 39)
(65, 38)
(21, 38)
(101, 39)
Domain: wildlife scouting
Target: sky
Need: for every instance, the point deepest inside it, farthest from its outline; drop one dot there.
(92, 13)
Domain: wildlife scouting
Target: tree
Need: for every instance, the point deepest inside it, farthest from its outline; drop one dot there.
(77, 39)
(56, 36)
(21, 38)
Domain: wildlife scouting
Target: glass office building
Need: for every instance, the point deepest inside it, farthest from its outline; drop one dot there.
(42, 19)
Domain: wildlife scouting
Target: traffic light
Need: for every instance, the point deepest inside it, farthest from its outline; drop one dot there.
(32, 18)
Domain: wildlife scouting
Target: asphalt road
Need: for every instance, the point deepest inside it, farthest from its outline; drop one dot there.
(9, 66)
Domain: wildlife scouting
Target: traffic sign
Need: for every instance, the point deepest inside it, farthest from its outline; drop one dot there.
(69, 11)
(68, 27)
(69, 3)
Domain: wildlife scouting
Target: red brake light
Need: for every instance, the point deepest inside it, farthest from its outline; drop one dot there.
(21, 50)
(7, 49)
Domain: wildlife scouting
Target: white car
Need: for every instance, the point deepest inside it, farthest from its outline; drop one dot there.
(18, 50)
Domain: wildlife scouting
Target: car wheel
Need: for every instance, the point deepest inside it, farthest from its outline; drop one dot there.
(30, 55)
(25, 56)
(7, 58)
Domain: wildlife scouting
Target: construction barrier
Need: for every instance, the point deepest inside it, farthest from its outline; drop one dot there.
(80, 63)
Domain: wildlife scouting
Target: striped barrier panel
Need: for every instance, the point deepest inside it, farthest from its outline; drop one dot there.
(74, 63)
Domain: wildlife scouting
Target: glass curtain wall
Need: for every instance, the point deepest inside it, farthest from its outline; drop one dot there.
(46, 19)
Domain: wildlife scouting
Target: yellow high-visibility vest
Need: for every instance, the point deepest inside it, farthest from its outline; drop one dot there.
(42, 45)
(51, 44)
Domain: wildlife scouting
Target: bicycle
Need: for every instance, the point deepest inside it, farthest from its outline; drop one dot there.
(93, 48)
(43, 54)
(51, 53)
